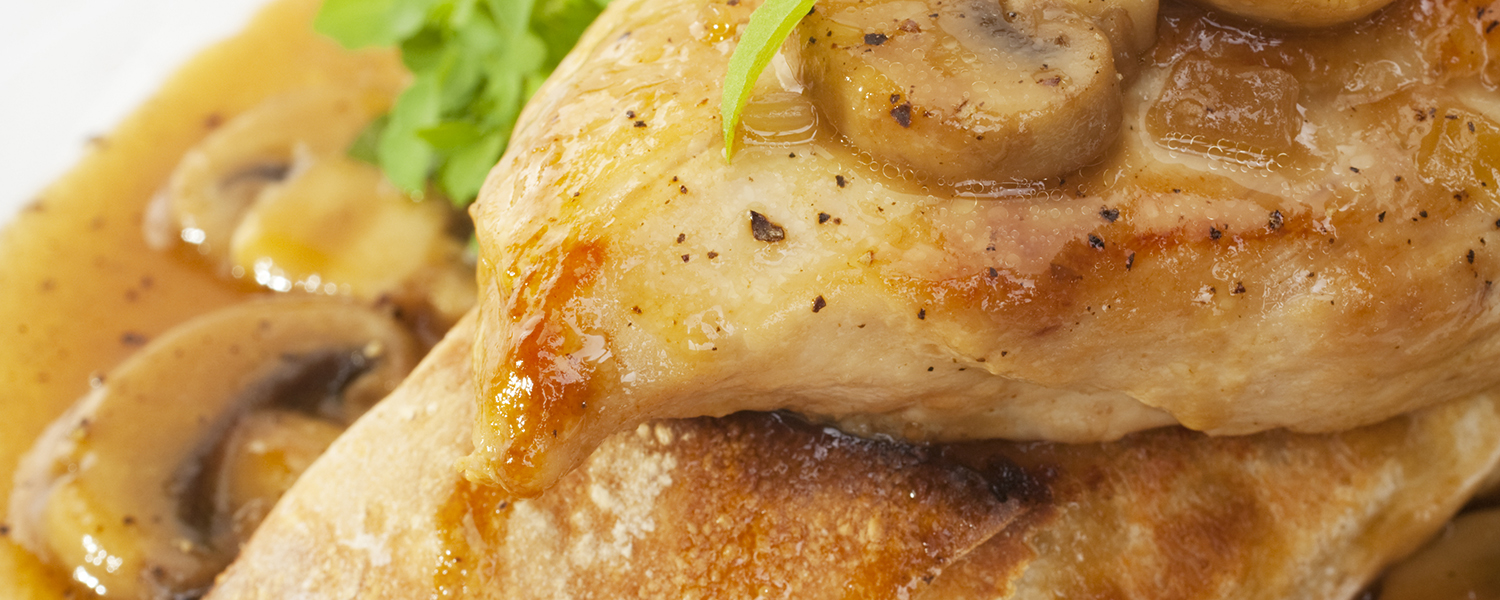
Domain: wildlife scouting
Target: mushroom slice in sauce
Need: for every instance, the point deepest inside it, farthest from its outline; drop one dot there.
(965, 90)
(218, 180)
(119, 491)
(273, 197)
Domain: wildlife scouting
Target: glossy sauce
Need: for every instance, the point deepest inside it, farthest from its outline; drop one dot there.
(79, 289)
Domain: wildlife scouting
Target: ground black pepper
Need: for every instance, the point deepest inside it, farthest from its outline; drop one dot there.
(764, 230)
(902, 114)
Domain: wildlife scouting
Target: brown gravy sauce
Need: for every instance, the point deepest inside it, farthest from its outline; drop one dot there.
(79, 289)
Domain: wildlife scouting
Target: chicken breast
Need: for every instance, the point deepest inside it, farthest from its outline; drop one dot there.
(1280, 229)
(764, 505)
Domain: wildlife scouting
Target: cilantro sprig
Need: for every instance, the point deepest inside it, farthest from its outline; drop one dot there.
(768, 29)
(474, 63)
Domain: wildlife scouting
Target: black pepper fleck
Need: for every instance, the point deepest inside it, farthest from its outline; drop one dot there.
(1471, 257)
(819, 303)
(994, 273)
(1381, 217)
(712, 255)
(1110, 214)
(902, 114)
(922, 314)
(764, 230)
(823, 217)
(681, 237)
(875, 39)
(682, 189)
(1354, 169)
(1239, 288)
(1214, 233)
(686, 257)
(1129, 261)
(1095, 242)
(1423, 214)
(630, 114)
(640, 124)
(839, 179)
(1276, 220)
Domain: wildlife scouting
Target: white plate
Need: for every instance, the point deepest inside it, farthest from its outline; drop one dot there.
(71, 69)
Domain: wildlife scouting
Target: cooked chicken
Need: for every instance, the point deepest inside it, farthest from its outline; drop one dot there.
(764, 506)
(1291, 230)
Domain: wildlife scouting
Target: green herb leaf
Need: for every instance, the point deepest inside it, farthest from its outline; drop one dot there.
(366, 146)
(474, 62)
(768, 29)
(365, 23)
(449, 136)
(404, 156)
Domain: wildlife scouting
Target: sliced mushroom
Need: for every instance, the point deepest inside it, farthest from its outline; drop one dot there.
(1299, 13)
(117, 492)
(339, 226)
(961, 90)
(261, 458)
(273, 196)
(220, 178)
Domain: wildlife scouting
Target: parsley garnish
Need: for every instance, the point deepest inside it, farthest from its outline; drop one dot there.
(769, 27)
(474, 63)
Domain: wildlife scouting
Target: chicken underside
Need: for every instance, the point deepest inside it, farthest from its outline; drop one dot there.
(766, 505)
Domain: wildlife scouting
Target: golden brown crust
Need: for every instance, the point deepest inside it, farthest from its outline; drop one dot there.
(759, 503)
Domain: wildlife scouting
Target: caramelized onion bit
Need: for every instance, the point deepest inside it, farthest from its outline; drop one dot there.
(116, 490)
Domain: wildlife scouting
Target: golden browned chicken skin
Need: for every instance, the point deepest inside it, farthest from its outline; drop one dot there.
(1290, 230)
